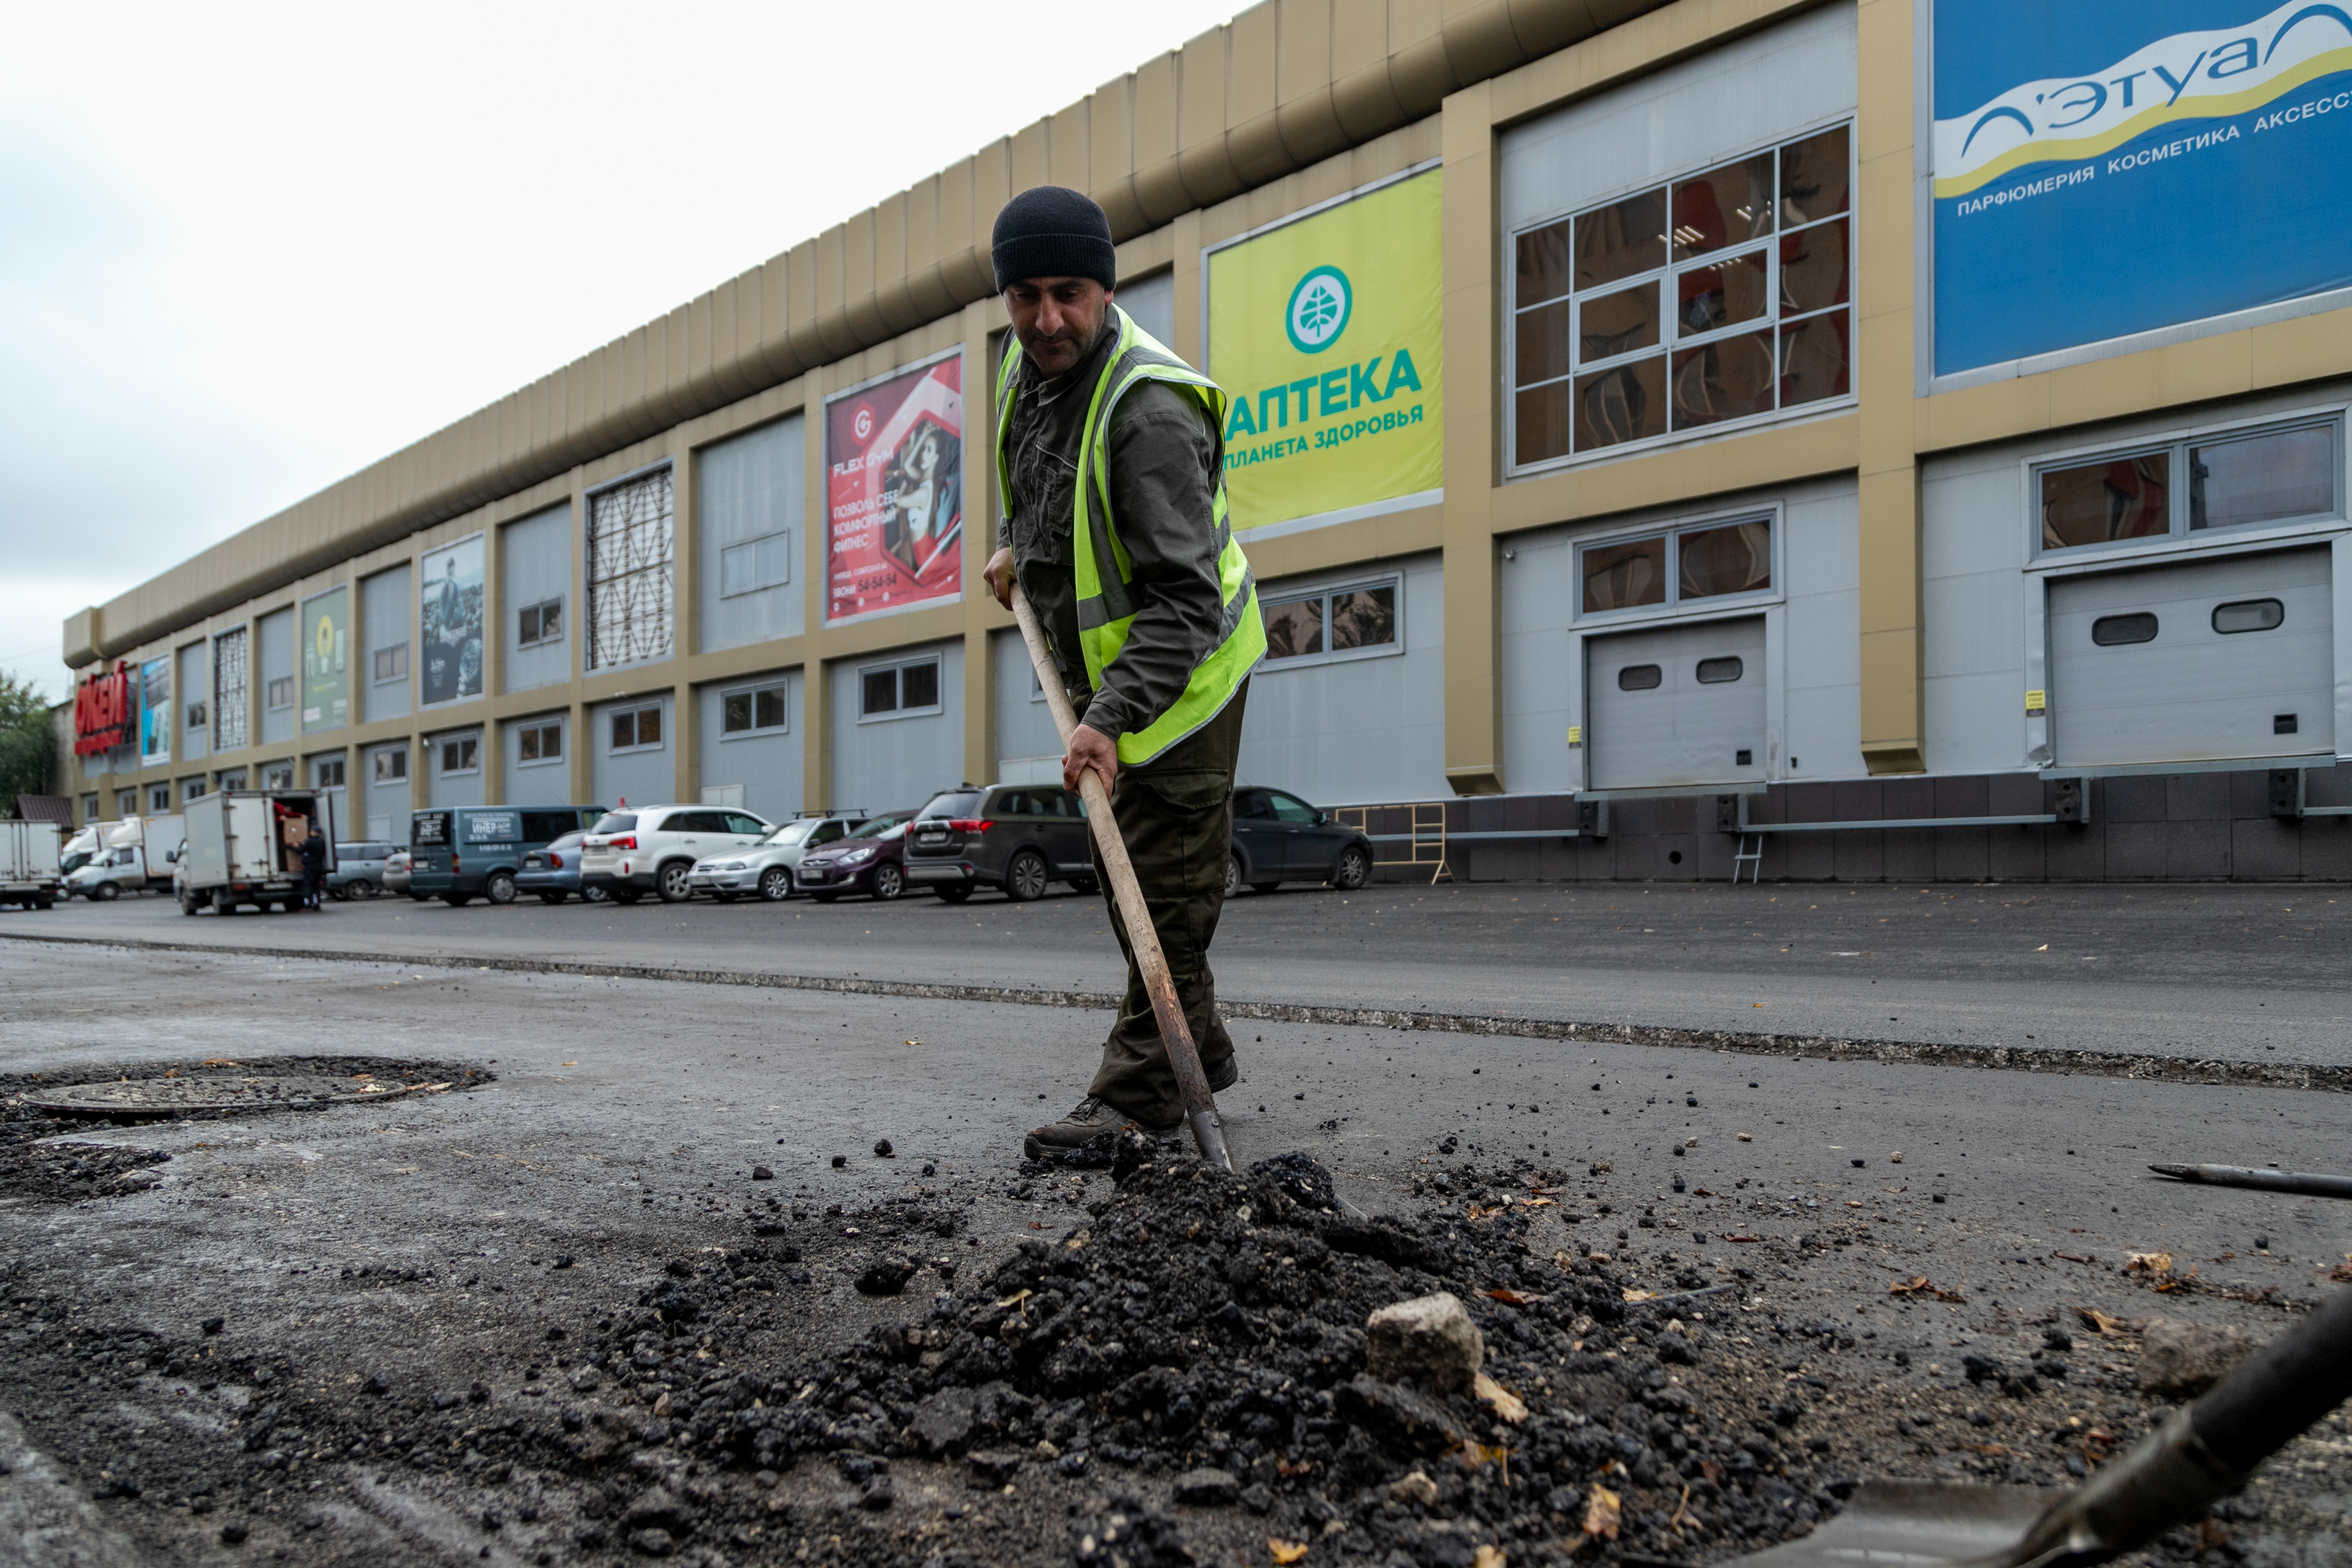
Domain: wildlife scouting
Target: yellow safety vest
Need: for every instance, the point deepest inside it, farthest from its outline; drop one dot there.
(1106, 605)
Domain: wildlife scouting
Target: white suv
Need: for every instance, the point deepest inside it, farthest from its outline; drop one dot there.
(652, 849)
(770, 867)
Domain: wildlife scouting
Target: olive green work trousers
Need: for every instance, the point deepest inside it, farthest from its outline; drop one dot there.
(1176, 813)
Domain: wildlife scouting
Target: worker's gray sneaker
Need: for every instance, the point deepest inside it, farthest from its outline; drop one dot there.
(1091, 1119)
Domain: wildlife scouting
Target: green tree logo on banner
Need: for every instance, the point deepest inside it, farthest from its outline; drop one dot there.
(1319, 308)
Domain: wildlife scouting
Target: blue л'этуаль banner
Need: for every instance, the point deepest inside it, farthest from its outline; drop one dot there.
(2108, 167)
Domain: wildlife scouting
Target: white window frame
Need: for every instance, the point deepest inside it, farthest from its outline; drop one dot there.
(783, 727)
(277, 775)
(1327, 593)
(783, 536)
(320, 765)
(441, 755)
(1673, 606)
(193, 789)
(159, 798)
(899, 666)
(609, 714)
(541, 726)
(198, 713)
(1670, 340)
(2179, 539)
(376, 771)
(543, 639)
(376, 654)
(269, 693)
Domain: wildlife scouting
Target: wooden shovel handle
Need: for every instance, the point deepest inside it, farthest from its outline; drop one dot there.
(1183, 1056)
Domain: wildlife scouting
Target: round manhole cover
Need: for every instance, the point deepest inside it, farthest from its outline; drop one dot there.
(127, 1098)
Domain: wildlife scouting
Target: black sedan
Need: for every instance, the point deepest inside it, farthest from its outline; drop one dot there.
(1278, 838)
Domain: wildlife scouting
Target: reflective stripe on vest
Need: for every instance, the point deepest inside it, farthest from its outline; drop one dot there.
(1106, 605)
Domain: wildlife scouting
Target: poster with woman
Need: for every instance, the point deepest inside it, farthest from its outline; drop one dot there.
(449, 615)
(893, 491)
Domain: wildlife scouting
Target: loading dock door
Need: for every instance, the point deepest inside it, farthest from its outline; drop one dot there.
(1680, 705)
(2208, 661)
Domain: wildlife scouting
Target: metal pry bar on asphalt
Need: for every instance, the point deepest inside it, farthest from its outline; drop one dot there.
(2302, 1183)
(1183, 1056)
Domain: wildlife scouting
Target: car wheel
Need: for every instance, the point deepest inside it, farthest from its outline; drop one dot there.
(362, 889)
(1026, 878)
(188, 904)
(499, 888)
(1232, 875)
(955, 892)
(554, 896)
(1355, 869)
(627, 895)
(675, 883)
(888, 881)
(776, 884)
(106, 892)
(595, 895)
(222, 904)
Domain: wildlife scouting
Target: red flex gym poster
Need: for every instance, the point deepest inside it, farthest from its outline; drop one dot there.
(893, 492)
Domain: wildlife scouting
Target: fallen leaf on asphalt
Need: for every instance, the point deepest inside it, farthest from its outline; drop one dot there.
(1506, 1405)
(2149, 1263)
(1633, 1295)
(1286, 1551)
(1910, 1287)
(1601, 1515)
(1729, 1236)
(1511, 1297)
(2074, 1256)
(1488, 1555)
(2342, 1272)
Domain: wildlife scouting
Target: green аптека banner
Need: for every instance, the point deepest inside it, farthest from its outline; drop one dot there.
(1327, 334)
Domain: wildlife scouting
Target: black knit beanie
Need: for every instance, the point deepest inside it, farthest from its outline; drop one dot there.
(1051, 231)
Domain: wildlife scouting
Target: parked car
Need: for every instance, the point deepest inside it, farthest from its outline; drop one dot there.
(395, 872)
(456, 853)
(872, 860)
(1278, 838)
(359, 869)
(553, 872)
(770, 868)
(652, 849)
(1019, 839)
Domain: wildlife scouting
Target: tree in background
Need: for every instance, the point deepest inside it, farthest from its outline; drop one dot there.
(27, 743)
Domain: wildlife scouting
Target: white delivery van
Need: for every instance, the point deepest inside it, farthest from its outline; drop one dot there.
(29, 863)
(138, 856)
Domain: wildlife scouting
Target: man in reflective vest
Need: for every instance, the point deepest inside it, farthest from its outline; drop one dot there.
(1110, 465)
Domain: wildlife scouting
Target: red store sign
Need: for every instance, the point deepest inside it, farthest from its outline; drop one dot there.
(103, 713)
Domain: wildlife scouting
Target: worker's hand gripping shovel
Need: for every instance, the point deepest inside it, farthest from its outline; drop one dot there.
(1199, 1105)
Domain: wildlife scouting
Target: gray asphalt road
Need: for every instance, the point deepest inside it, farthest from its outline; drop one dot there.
(2249, 973)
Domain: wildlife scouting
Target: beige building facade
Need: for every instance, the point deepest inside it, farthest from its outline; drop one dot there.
(1707, 490)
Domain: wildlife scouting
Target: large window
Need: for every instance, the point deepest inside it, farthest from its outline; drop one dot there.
(230, 691)
(1353, 620)
(898, 691)
(392, 663)
(280, 693)
(761, 710)
(630, 539)
(1679, 566)
(2235, 480)
(1718, 297)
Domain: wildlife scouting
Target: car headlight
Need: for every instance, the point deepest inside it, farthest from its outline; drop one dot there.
(725, 866)
(857, 856)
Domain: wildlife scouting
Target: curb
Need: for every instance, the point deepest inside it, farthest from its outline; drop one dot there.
(1999, 1059)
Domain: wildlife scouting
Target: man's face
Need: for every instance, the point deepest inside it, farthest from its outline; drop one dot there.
(1056, 319)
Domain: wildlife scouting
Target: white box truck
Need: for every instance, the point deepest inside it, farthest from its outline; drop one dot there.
(244, 848)
(137, 857)
(29, 863)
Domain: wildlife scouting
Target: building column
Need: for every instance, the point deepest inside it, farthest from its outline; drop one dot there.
(816, 738)
(1474, 731)
(982, 615)
(685, 616)
(1894, 706)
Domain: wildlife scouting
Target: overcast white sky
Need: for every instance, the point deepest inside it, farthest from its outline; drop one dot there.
(247, 249)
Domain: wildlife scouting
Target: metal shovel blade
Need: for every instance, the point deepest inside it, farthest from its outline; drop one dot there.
(1914, 1524)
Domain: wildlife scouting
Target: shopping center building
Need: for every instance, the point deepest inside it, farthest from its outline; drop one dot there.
(1900, 439)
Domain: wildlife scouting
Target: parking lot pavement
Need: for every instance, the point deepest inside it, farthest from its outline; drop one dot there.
(2248, 973)
(439, 1242)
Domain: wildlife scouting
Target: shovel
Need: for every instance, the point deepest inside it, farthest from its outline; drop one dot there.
(2203, 1453)
(1183, 1056)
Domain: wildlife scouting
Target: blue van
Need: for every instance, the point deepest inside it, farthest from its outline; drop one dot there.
(457, 852)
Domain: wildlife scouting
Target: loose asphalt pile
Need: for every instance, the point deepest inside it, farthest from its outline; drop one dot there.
(1181, 1378)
